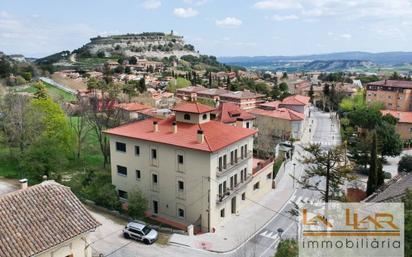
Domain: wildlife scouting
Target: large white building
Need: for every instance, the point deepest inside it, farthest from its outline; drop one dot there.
(193, 170)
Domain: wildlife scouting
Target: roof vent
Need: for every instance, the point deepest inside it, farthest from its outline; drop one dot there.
(174, 127)
(200, 136)
(155, 126)
(23, 183)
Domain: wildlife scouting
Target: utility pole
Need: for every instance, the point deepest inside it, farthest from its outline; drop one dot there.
(327, 178)
(294, 166)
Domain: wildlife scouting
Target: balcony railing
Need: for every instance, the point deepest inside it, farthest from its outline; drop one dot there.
(222, 170)
(230, 192)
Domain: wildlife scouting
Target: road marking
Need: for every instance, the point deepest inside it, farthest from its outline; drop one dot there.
(293, 198)
(270, 234)
(298, 201)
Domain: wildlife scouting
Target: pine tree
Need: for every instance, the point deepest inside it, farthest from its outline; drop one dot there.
(373, 167)
(311, 93)
(210, 79)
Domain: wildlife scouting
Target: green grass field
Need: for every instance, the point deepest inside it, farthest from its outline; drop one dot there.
(53, 91)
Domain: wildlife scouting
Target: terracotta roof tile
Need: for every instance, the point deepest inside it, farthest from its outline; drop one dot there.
(281, 113)
(217, 135)
(392, 83)
(403, 117)
(229, 113)
(296, 100)
(132, 107)
(192, 107)
(36, 219)
(271, 105)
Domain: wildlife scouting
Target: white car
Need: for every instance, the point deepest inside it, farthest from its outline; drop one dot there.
(141, 232)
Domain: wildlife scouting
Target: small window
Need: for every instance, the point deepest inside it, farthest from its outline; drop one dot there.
(154, 154)
(137, 174)
(181, 213)
(212, 116)
(122, 194)
(154, 178)
(121, 170)
(186, 116)
(269, 175)
(137, 150)
(222, 213)
(247, 125)
(181, 185)
(121, 147)
(204, 117)
(256, 186)
(180, 159)
(244, 196)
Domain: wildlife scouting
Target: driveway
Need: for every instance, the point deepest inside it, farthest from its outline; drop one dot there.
(8, 185)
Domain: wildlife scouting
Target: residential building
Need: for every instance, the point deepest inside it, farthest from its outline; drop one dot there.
(394, 94)
(45, 220)
(231, 114)
(189, 93)
(132, 111)
(193, 170)
(392, 191)
(403, 125)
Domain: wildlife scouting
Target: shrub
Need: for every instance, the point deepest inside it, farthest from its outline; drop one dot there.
(387, 175)
(405, 164)
(137, 204)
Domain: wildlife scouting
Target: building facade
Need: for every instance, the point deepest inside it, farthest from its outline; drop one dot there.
(394, 94)
(192, 170)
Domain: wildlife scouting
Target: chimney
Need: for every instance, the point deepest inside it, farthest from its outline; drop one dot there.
(239, 122)
(155, 126)
(174, 127)
(200, 136)
(23, 183)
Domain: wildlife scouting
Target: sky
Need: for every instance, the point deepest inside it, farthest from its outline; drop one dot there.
(37, 28)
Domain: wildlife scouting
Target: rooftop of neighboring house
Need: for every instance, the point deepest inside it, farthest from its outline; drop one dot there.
(38, 218)
(392, 83)
(216, 134)
(281, 113)
(296, 100)
(229, 113)
(402, 117)
(273, 105)
(132, 107)
(241, 95)
(191, 89)
(213, 91)
(393, 191)
(192, 107)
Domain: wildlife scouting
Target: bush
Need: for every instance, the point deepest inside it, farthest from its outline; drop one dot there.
(405, 164)
(137, 204)
(387, 175)
(287, 248)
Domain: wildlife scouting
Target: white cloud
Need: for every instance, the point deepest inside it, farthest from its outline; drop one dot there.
(152, 4)
(196, 2)
(278, 4)
(185, 12)
(284, 17)
(229, 22)
(338, 36)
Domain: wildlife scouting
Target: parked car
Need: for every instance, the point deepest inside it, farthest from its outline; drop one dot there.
(141, 232)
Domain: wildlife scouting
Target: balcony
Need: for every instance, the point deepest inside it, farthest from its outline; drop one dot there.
(220, 171)
(230, 192)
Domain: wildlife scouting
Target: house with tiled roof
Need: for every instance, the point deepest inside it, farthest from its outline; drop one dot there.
(394, 94)
(403, 124)
(231, 114)
(392, 191)
(132, 111)
(191, 169)
(44, 220)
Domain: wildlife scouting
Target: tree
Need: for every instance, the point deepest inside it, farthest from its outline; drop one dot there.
(325, 165)
(373, 167)
(27, 76)
(405, 164)
(41, 91)
(137, 204)
(142, 85)
(287, 248)
(285, 75)
(283, 87)
(79, 125)
(395, 76)
(311, 93)
(133, 60)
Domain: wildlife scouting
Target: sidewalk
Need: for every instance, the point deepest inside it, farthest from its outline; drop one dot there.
(235, 232)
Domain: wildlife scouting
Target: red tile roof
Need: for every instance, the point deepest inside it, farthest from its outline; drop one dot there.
(213, 92)
(281, 113)
(403, 117)
(241, 95)
(229, 113)
(217, 135)
(392, 83)
(39, 218)
(191, 89)
(132, 107)
(271, 105)
(296, 100)
(192, 107)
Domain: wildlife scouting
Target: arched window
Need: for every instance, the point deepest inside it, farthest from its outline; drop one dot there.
(204, 116)
(186, 116)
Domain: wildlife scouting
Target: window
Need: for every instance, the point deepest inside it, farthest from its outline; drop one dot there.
(256, 186)
(410, 130)
(235, 179)
(244, 196)
(232, 157)
(121, 147)
(269, 175)
(180, 185)
(236, 155)
(212, 116)
(122, 194)
(186, 116)
(137, 174)
(155, 207)
(154, 178)
(220, 163)
(224, 187)
(247, 125)
(121, 170)
(181, 213)
(222, 213)
(245, 149)
(220, 189)
(154, 154)
(137, 150)
(204, 117)
(180, 159)
(231, 183)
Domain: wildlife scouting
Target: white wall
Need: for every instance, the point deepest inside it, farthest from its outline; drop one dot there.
(76, 247)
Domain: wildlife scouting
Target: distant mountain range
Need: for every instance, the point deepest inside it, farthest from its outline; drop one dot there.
(322, 62)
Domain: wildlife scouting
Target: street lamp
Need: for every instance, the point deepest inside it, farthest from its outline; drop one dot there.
(280, 232)
(294, 166)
